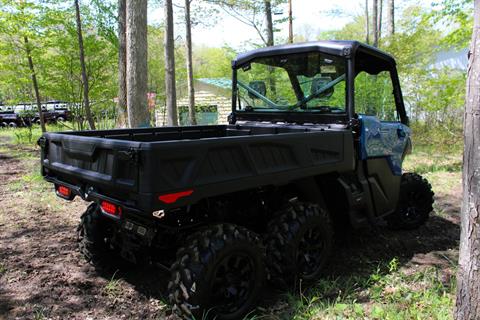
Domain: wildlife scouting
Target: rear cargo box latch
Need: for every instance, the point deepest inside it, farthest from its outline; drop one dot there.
(131, 155)
(42, 142)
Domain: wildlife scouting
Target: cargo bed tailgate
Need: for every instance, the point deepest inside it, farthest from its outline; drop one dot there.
(90, 161)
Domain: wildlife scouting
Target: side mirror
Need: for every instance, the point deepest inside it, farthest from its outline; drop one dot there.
(258, 86)
(318, 84)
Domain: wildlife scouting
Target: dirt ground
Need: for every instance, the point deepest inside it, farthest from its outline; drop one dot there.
(43, 276)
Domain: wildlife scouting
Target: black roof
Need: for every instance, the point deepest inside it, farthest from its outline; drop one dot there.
(344, 48)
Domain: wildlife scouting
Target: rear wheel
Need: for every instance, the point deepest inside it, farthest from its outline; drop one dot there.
(299, 243)
(92, 237)
(414, 205)
(12, 125)
(219, 275)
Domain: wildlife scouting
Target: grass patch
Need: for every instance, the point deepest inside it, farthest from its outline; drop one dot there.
(40, 312)
(28, 136)
(3, 269)
(113, 288)
(385, 294)
(425, 159)
(32, 181)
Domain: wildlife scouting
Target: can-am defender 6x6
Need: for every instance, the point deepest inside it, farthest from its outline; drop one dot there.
(316, 139)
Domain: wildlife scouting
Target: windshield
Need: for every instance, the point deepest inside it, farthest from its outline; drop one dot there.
(313, 82)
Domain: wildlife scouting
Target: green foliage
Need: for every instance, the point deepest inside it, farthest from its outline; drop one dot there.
(156, 62)
(434, 98)
(51, 30)
(458, 14)
(212, 62)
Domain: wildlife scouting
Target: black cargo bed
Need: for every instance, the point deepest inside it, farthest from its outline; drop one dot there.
(136, 166)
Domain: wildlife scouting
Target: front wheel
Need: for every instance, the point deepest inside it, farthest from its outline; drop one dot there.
(219, 275)
(414, 205)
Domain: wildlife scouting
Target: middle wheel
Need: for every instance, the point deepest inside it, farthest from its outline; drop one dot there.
(299, 243)
(218, 275)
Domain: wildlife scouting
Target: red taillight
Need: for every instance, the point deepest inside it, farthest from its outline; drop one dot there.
(111, 209)
(64, 191)
(173, 197)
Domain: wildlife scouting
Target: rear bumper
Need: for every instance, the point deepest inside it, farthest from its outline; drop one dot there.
(92, 195)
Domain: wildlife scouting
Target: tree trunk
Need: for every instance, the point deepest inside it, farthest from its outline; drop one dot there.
(137, 71)
(290, 22)
(86, 101)
(367, 24)
(268, 18)
(468, 277)
(379, 23)
(188, 45)
(270, 42)
(170, 90)
(390, 18)
(35, 84)
(122, 65)
(374, 22)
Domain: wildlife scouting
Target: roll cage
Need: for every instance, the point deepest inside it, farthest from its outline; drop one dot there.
(358, 56)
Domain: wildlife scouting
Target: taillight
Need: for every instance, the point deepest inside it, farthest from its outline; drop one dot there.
(64, 192)
(173, 197)
(111, 209)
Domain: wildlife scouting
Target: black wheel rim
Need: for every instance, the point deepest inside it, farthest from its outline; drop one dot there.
(411, 213)
(233, 283)
(310, 253)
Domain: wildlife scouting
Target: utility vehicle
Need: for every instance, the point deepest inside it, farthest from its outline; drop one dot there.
(10, 119)
(315, 143)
